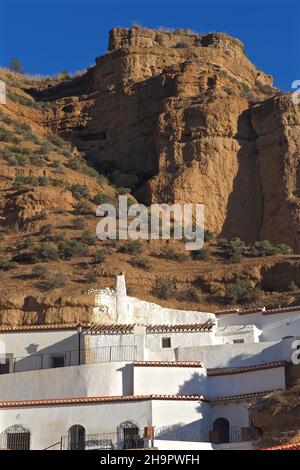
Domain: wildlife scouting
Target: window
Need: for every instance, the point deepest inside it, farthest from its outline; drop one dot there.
(77, 437)
(17, 438)
(166, 342)
(58, 360)
(4, 366)
(238, 341)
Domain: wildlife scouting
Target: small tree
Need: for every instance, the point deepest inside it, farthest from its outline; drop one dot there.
(15, 65)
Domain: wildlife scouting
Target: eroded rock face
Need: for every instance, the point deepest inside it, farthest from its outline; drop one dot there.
(188, 118)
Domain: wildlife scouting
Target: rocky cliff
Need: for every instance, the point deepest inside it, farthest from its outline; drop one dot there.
(173, 117)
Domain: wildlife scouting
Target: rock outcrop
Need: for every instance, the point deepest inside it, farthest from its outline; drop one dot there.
(183, 117)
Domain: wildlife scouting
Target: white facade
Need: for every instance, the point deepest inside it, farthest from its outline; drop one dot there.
(190, 375)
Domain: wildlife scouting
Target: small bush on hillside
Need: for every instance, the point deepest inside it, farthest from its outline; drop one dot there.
(162, 288)
(170, 253)
(98, 256)
(88, 238)
(140, 262)
(36, 161)
(7, 265)
(56, 183)
(45, 252)
(55, 281)
(241, 291)
(78, 223)
(131, 247)
(7, 119)
(70, 248)
(189, 295)
(91, 277)
(84, 208)
(200, 254)
(79, 191)
(57, 141)
(39, 271)
(101, 199)
(265, 248)
(236, 249)
(45, 148)
(8, 136)
(46, 229)
(208, 235)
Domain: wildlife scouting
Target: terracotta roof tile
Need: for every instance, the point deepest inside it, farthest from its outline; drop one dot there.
(129, 328)
(239, 370)
(168, 364)
(56, 327)
(111, 399)
(262, 310)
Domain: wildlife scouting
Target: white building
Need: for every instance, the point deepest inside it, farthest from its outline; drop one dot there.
(116, 382)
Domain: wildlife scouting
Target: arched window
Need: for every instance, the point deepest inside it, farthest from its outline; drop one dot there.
(129, 435)
(16, 438)
(76, 437)
(221, 431)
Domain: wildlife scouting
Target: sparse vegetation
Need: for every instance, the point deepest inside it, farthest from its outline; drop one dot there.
(91, 277)
(242, 291)
(163, 288)
(200, 254)
(141, 262)
(131, 247)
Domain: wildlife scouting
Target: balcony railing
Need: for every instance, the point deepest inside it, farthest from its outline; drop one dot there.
(73, 358)
(104, 441)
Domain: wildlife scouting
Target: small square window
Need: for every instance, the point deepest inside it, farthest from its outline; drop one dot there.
(166, 342)
(238, 341)
(58, 361)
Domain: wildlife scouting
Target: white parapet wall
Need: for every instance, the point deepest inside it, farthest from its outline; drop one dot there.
(114, 306)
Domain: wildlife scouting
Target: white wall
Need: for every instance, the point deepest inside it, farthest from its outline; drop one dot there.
(247, 382)
(48, 424)
(103, 379)
(236, 355)
(186, 419)
(169, 380)
(274, 327)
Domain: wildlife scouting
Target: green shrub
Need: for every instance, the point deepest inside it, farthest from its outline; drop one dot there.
(88, 238)
(91, 277)
(131, 247)
(140, 262)
(39, 271)
(200, 254)
(78, 223)
(7, 265)
(57, 141)
(170, 253)
(101, 199)
(55, 182)
(7, 119)
(265, 248)
(241, 291)
(56, 280)
(189, 295)
(70, 248)
(8, 136)
(79, 191)
(84, 208)
(162, 288)
(99, 256)
(45, 252)
(208, 235)
(236, 249)
(46, 229)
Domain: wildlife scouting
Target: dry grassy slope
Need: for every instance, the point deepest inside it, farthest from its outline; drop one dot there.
(42, 197)
(278, 417)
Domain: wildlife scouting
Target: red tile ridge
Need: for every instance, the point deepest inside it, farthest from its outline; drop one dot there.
(240, 370)
(168, 364)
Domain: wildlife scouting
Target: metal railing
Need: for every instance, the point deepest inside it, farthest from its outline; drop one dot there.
(180, 433)
(104, 441)
(74, 357)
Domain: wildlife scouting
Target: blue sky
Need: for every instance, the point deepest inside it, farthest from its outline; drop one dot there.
(54, 35)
